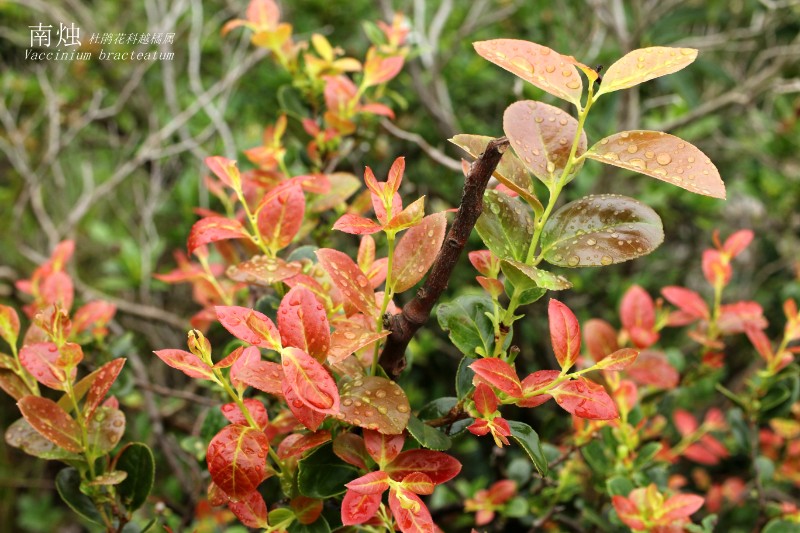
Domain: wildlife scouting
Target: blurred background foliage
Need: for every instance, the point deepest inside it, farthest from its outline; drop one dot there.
(110, 153)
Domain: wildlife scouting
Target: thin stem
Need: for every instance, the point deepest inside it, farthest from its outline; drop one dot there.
(213, 280)
(387, 297)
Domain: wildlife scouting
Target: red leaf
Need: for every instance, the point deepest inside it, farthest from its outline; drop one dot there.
(418, 483)
(685, 422)
(534, 382)
(638, 316)
(263, 270)
(249, 325)
(652, 368)
(417, 250)
(687, 301)
(738, 317)
(94, 315)
(619, 360)
(716, 267)
(186, 362)
(761, 343)
(501, 491)
(410, 512)
(736, 243)
(9, 325)
(358, 508)
(439, 466)
(356, 225)
(565, 334)
(310, 418)
(251, 510)
(213, 229)
(499, 374)
(600, 338)
(484, 262)
(383, 448)
(485, 400)
(52, 422)
(372, 483)
(349, 279)
(104, 379)
(303, 323)
(297, 444)
(313, 384)
(306, 509)
(628, 512)
(256, 409)
(237, 460)
(225, 169)
(398, 168)
(57, 289)
(42, 361)
(585, 399)
(351, 449)
(280, 216)
(681, 506)
(262, 375)
(249, 358)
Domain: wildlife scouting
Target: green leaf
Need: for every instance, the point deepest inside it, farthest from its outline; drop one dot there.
(780, 526)
(427, 436)
(68, 484)
(529, 440)
(646, 454)
(595, 456)
(437, 408)
(619, 486)
(464, 376)
(318, 526)
(524, 277)
(465, 320)
(600, 230)
(323, 475)
(505, 225)
(137, 460)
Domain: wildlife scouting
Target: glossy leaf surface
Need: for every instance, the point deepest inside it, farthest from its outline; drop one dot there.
(600, 230)
(237, 460)
(263, 271)
(416, 251)
(536, 64)
(542, 137)
(52, 422)
(303, 323)
(585, 399)
(661, 156)
(645, 64)
(505, 225)
(376, 403)
(349, 279)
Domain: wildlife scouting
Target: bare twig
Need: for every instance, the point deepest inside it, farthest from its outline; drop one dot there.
(416, 312)
(432, 152)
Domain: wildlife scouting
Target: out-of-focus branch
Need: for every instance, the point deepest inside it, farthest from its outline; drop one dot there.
(432, 152)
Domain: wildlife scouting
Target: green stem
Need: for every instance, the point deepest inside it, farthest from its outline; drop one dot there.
(387, 297)
(555, 190)
(253, 219)
(213, 280)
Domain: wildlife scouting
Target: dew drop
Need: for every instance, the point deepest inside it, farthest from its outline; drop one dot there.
(550, 69)
(663, 159)
(591, 242)
(604, 141)
(402, 408)
(573, 261)
(632, 148)
(522, 64)
(606, 260)
(574, 84)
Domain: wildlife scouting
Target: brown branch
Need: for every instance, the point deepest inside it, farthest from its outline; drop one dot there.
(416, 312)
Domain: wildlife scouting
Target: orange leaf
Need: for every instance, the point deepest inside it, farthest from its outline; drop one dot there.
(661, 156)
(417, 250)
(585, 399)
(52, 422)
(645, 64)
(536, 64)
(236, 460)
(303, 323)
